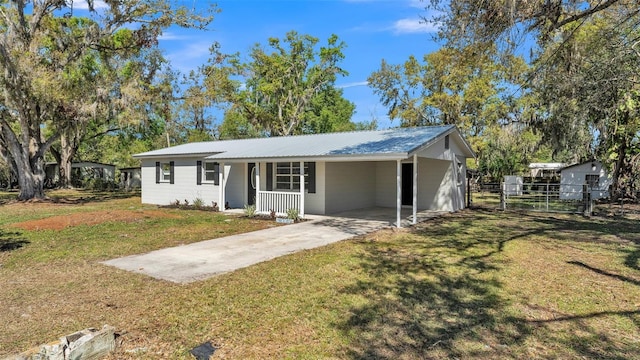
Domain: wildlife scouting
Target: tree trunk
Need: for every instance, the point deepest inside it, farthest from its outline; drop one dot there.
(31, 183)
(67, 153)
(617, 190)
(29, 163)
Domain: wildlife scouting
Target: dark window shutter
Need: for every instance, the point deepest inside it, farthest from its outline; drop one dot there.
(216, 177)
(199, 172)
(171, 172)
(269, 176)
(311, 170)
(446, 142)
(157, 172)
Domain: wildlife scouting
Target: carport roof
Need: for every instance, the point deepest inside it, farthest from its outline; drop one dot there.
(399, 142)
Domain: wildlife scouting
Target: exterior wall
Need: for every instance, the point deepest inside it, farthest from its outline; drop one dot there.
(438, 151)
(235, 185)
(183, 188)
(573, 178)
(349, 186)
(439, 187)
(315, 203)
(108, 171)
(386, 184)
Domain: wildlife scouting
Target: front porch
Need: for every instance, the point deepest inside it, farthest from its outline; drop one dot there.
(400, 189)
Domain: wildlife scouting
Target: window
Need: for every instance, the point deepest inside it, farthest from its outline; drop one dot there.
(207, 172)
(593, 181)
(446, 142)
(165, 172)
(210, 173)
(287, 176)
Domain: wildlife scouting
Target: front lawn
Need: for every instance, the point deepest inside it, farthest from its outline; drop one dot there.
(475, 284)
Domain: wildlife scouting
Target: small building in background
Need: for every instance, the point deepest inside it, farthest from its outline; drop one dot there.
(81, 171)
(573, 179)
(131, 178)
(545, 171)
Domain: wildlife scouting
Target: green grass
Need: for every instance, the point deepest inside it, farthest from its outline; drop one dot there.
(476, 284)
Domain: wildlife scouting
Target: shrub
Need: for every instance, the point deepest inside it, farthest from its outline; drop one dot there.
(250, 210)
(293, 214)
(198, 203)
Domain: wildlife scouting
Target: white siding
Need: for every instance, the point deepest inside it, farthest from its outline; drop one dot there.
(349, 186)
(438, 186)
(236, 185)
(183, 188)
(438, 189)
(315, 203)
(573, 178)
(386, 184)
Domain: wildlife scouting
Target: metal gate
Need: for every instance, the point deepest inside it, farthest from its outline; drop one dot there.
(547, 197)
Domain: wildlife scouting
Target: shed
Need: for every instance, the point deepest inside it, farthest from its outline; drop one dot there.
(591, 174)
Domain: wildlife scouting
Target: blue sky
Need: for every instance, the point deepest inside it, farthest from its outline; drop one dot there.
(372, 30)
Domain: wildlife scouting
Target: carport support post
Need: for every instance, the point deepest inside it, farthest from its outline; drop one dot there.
(221, 189)
(415, 189)
(301, 189)
(398, 192)
(257, 186)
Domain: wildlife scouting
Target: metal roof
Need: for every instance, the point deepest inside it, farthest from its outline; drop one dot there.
(392, 142)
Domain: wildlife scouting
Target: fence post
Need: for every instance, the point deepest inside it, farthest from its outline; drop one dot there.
(503, 196)
(468, 192)
(547, 193)
(586, 199)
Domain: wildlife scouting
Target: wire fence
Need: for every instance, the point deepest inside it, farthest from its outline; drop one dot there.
(549, 197)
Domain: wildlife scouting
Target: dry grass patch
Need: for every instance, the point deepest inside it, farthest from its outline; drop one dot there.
(91, 218)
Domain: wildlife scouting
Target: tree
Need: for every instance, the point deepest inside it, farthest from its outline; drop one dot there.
(509, 22)
(34, 65)
(278, 86)
(585, 66)
(463, 87)
(589, 85)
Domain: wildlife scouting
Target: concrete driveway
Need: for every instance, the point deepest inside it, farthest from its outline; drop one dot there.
(201, 260)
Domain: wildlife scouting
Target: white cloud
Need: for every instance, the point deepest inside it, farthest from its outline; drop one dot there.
(171, 36)
(84, 5)
(353, 84)
(412, 26)
(189, 57)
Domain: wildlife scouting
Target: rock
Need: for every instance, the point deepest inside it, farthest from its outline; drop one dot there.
(203, 351)
(88, 344)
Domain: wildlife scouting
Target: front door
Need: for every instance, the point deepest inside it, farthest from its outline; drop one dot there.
(251, 183)
(407, 184)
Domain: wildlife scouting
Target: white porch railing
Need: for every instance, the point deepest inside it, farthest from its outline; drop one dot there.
(278, 201)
